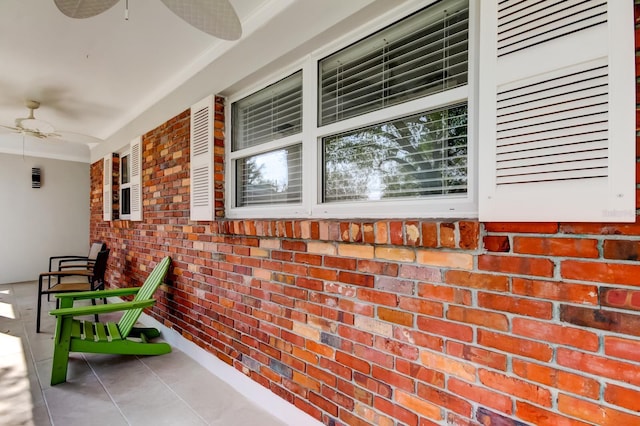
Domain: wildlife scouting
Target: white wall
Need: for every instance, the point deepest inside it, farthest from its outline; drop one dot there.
(38, 223)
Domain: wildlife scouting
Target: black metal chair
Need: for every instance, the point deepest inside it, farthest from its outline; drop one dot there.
(79, 262)
(75, 262)
(93, 280)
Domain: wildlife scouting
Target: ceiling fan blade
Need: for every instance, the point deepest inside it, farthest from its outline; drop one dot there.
(75, 137)
(32, 134)
(81, 9)
(14, 129)
(214, 17)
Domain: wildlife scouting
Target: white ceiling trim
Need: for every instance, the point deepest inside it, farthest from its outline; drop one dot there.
(57, 150)
(293, 24)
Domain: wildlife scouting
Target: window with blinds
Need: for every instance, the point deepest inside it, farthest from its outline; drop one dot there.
(423, 54)
(418, 156)
(388, 134)
(267, 162)
(269, 114)
(273, 177)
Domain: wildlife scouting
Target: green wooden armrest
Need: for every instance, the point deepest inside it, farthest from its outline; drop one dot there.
(102, 309)
(98, 294)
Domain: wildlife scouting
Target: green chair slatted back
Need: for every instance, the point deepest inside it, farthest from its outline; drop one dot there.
(155, 278)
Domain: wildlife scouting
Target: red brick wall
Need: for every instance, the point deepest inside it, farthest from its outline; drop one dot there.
(393, 322)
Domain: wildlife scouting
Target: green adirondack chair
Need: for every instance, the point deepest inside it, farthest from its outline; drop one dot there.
(73, 335)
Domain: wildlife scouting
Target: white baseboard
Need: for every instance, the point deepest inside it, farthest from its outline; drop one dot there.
(261, 396)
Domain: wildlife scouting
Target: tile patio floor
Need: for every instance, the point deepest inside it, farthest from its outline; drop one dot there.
(112, 390)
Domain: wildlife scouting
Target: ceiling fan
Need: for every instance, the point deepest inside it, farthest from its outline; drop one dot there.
(214, 17)
(31, 126)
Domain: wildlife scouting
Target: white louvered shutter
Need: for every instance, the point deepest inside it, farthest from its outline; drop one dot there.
(201, 137)
(557, 111)
(107, 176)
(136, 179)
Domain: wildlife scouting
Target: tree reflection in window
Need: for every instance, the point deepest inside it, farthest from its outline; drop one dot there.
(423, 155)
(270, 177)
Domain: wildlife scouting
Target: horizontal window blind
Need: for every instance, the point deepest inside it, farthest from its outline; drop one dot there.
(269, 114)
(417, 156)
(423, 54)
(269, 178)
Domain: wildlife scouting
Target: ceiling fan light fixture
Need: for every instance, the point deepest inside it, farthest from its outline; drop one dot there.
(31, 126)
(36, 126)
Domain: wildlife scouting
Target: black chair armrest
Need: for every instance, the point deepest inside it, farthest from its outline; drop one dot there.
(67, 258)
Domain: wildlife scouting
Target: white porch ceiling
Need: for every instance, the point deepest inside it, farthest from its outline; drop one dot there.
(111, 78)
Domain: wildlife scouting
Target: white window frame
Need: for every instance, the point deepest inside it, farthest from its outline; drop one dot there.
(454, 205)
(124, 152)
(232, 157)
(134, 148)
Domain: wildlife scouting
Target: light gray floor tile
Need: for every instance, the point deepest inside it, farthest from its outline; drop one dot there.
(170, 413)
(174, 367)
(70, 405)
(40, 344)
(78, 372)
(220, 404)
(40, 415)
